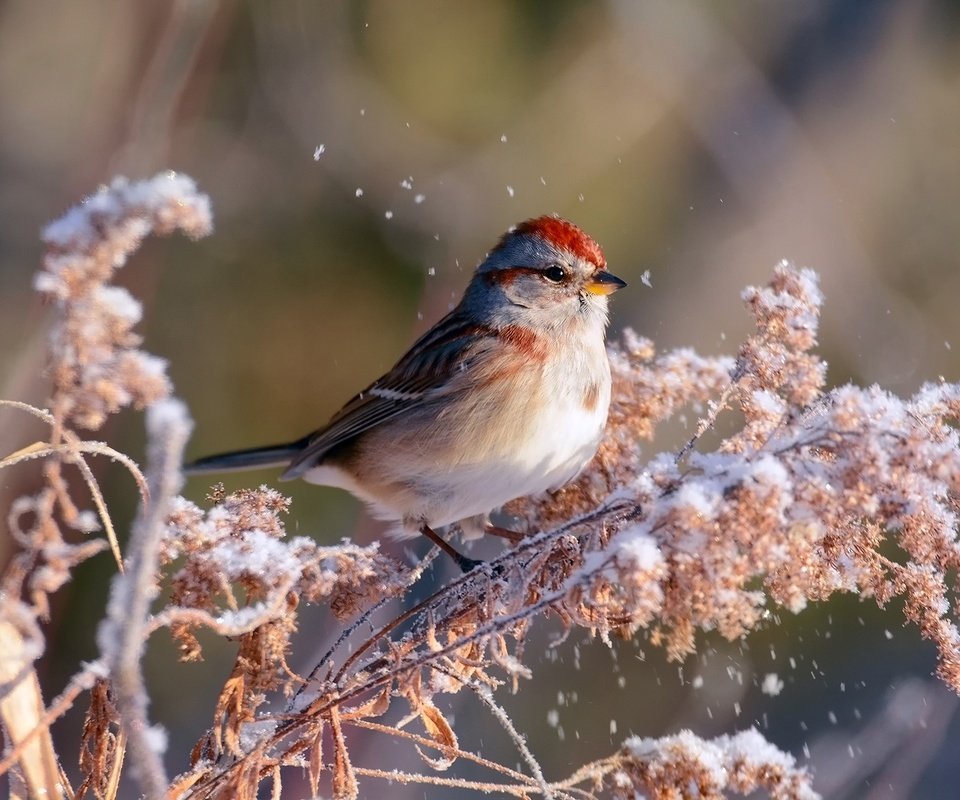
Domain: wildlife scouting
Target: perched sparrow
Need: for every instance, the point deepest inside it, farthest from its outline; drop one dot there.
(505, 396)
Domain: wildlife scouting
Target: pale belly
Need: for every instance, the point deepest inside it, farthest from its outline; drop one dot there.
(548, 457)
(441, 468)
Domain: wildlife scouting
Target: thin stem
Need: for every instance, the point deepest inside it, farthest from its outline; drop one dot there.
(501, 716)
(123, 633)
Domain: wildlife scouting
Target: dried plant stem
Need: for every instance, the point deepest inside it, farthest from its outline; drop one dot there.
(79, 683)
(177, 615)
(716, 407)
(522, 790)
(397, 621)
(324, 705)
(21, 711)
(532, 544)
(123, 635)
(501, 716)
(71, 450)
(349, 630)
(116, 768)
(519, 777)
(40, 413)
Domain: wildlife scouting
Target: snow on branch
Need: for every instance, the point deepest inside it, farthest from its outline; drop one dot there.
(797, 504)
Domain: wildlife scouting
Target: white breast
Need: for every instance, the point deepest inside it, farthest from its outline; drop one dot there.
(453, 467)
(546, 451)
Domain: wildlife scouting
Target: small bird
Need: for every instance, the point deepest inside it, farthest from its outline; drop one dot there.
(506, 396)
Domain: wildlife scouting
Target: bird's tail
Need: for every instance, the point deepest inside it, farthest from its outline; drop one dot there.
(277, 455)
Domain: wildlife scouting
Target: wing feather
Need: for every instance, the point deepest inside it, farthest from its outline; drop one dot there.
(438, 364)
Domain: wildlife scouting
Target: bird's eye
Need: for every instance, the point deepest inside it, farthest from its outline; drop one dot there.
(555, 273)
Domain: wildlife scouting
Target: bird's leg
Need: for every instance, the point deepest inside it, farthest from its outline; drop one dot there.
(504, 533)
(465, 564)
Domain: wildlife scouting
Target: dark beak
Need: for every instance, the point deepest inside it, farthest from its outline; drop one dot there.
(604, 282)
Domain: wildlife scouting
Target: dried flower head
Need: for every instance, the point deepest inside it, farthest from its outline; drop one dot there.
(795, 505)
(684, 765)
(96, 365)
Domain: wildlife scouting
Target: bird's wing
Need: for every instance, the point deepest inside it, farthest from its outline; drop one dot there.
(439, 364)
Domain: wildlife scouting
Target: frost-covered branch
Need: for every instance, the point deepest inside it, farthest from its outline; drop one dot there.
(122, 636)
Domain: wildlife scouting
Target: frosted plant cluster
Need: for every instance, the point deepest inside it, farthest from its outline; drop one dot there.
(795, 505)
(744, 763)
(96, 364)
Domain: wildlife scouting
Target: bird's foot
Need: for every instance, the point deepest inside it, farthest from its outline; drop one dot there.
(465, 564)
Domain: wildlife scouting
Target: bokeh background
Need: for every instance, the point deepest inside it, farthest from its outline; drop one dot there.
(362, 156)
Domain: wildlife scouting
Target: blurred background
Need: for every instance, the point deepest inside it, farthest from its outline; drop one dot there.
(362, 156)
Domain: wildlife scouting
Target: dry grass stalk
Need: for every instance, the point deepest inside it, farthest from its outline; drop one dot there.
(794, 505)
(103, 746)
(124, 632)
(21, 712)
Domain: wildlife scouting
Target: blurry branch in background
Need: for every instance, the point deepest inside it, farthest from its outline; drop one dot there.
(892, 749)
(174, 36)
(803, 499)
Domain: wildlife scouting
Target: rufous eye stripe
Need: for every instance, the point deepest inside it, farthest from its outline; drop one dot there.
(507, 275)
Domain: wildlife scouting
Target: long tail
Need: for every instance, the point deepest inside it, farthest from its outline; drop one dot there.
(277, 455)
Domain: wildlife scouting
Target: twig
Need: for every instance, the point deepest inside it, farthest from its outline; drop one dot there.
(705, 423)
(519, 777)
(517, 790)
(501, 716)
(413, 577)
(122, 634)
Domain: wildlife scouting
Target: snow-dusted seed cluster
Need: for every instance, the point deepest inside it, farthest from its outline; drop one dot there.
(744, 763)
(241, 542)
(95, 363)
(794, 506)
(802, 496)
(233, 571)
